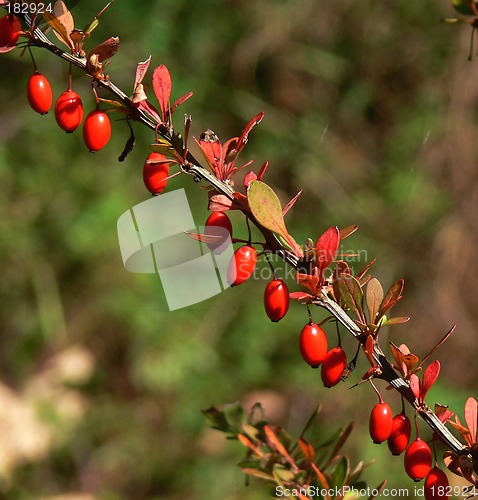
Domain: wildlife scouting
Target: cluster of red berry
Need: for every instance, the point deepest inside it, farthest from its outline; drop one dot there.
(313, 341)
(314, 348)
(241, 268)
(68, 107)
(418, 455)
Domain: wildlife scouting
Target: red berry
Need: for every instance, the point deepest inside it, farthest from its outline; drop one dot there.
(380, 423)
(69, 111)
(96, 130)
(155, 173)
(418, 459)
(333, 366)
(242, 265)
(276, 300)
(39, 93)
(218, 224)
(313, 344)
(400, 435)
(10, 28)
(437, 486)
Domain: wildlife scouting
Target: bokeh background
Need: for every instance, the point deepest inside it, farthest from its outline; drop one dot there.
(371, 107)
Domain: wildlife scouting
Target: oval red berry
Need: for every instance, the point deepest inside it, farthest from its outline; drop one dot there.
(39, 93)
(380, 423)
(218, 225)
(418, 459)
(156, 173)
(96, 130)
(313, 344)
(436, 485)
(276, 300)
(400, 435)
(242, 265)
(69, 111)
(333, 366)
(10, 28)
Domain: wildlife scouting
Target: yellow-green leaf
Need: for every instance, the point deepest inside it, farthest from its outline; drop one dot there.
(267, 210)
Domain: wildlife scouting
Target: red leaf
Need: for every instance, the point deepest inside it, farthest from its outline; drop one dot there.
(404, 359)
(150, 110)
(262, 171)
(162, 86)
(307, 450)
(443, 413)
(471, 417)
(365, 270)
(308, 281)
(240, 202)
(62, 23)
(464, 431)
(106, 50)
(393, 295)
(230, 151)
(247, 129)
(368, 349)
(415, 386)
(291, 203)
(205, 238)
(218, 202)
(251, 176)
(212, 150)
(141, 70)
(178, 102)
(139, 94)
(347, 231)
(430, 377)
(326, 248)
(300, 296)
(373, 298)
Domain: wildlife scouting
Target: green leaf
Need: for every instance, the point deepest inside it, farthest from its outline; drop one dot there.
(266, 207)
(216, 419)
(341, 473)
(342, 438)
(267, 210)
(352, 295)
(378, 489)
(395, 321)
(235, 416)
(373, 298)
(257, 473)
(251, 431)
(282, 473)
(256, 415)
(357, 472)
(312, 420)
(166, 148)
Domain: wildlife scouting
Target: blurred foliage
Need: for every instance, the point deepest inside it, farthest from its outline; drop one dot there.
(370, 106)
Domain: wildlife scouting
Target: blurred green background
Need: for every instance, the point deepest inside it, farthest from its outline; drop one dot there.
(370, 107)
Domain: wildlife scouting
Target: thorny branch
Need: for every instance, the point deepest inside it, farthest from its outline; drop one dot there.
(192, 167)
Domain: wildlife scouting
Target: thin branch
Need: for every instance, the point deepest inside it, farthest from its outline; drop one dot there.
(192, 167)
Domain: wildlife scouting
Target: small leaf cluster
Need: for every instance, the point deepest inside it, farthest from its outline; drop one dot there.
(272, 455)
